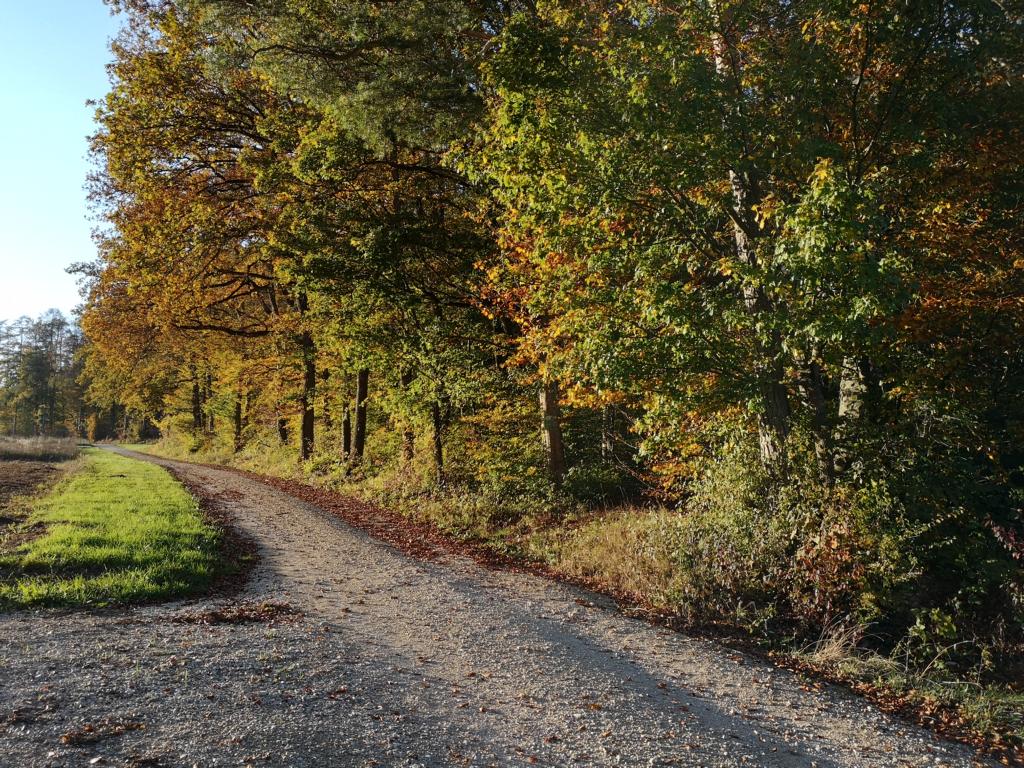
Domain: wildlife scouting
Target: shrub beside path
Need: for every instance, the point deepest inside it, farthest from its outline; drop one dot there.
(343, 651)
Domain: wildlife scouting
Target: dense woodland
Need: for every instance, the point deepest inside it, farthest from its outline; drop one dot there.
(39, 369)
(758, 265)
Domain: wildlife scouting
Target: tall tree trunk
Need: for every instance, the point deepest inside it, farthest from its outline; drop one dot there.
(362, 390)
(551, 431)
(812, 386)
(852, 389)
(852, 392)
(607, 433)
(308, 394)
(238, 421)
(325, 413)
(207, 397)
(306, 400)
(408, 435)
(197, 404)
(774, 415)
(437, 417)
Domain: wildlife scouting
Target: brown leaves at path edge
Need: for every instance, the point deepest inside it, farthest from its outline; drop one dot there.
(244, 612)
(104, 729)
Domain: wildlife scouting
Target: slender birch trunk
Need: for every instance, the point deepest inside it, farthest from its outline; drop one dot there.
(362, 391)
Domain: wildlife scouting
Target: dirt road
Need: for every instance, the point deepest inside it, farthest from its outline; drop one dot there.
(401, 662)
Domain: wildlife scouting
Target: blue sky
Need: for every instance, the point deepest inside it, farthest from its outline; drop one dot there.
(52, 59)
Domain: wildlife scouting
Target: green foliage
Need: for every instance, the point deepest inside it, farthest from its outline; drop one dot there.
(598, 484)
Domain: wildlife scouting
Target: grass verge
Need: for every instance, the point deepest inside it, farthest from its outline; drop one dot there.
(116, 531)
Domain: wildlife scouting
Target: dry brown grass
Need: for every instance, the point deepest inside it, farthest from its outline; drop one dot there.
(629, 551)
(37, 448)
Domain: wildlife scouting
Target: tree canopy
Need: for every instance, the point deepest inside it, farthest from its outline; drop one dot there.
(760, 261)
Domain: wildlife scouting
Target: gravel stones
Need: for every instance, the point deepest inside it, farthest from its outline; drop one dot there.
(342, 651)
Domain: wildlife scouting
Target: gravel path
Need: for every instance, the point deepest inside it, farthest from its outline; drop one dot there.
(400, 662)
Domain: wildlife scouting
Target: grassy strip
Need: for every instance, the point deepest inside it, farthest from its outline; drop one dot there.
(987, 714)
(116, 531)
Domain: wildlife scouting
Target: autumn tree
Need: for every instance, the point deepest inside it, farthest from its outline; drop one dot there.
(785, 223)
(725, 204)
(394, 249)
(191, 257)
(762, 261)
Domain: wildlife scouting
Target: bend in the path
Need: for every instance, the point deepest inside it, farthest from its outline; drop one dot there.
(509, 664)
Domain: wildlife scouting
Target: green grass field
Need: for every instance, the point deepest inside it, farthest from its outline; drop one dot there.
(116, 531)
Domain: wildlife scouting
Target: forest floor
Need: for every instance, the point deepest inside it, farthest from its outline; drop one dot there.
(344, 650)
